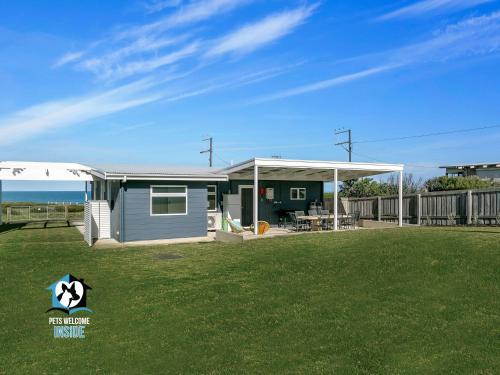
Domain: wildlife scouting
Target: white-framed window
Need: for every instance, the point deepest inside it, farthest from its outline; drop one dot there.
(298, 194)
(168, 200)
(212, 197)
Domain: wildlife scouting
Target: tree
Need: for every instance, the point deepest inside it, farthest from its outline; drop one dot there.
(444, 183)
(367, 187)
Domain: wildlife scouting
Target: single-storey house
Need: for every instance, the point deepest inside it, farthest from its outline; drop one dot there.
(486, 171)
(133, 203)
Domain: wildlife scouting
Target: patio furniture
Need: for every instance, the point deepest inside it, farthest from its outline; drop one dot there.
(350, 221)
(282, 217)
(355, 218)
(314, 222)
(312, 212)
(298, 224)
(326, 219)
(235, 227)
(344, 221)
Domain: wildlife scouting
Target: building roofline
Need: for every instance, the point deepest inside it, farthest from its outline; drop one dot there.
(474, 165)
(319, 164)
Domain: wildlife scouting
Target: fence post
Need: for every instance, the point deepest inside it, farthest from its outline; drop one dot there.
(9, 214)
(469, 207)
(419, 209)
(379, 208)
(65, 212)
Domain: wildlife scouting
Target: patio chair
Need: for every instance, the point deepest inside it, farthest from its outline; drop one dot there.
(298, 224)
(235, 227)
(355, 218)
(351, 221)
(312, 212)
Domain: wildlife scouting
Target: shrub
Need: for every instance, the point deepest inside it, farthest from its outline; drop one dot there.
(444, 183)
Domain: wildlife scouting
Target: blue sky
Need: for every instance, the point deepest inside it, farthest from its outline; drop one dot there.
(145, 81)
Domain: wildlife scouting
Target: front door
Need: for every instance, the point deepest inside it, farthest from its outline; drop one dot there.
(246, 206)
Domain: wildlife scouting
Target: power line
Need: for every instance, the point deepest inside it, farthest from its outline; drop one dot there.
(406, 164)
(428, 134)
(222, 160)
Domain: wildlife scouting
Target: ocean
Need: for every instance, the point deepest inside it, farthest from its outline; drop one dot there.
(44, 196)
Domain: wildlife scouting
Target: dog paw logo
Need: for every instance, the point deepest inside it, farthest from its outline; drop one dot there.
(69, 295)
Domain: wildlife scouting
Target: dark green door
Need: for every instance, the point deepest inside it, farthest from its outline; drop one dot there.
(246, 206)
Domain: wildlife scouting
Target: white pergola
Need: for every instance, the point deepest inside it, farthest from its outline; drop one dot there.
(42, 171)
(310, 170)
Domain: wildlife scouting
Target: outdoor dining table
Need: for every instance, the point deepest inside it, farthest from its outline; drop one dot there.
(315, 219)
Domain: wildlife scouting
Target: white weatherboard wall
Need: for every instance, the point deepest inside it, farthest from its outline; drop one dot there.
(87, 221)
(97, 221)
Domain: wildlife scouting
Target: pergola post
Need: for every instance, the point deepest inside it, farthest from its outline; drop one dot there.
(1, 208)
(335, 199)
(400, 198)
(256, 199)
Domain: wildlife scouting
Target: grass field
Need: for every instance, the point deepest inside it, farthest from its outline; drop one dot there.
(397, 301)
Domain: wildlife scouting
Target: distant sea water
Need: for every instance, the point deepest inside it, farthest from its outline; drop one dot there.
(44, 196)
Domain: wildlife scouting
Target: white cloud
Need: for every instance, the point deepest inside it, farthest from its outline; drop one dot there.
(57, 114)
(193, 12)
(159, 5)
(49, 116)
(253, 36)
(431, 7)
(475, 36)
(69, 58)
(111, 67)
(322, 85)
(231, 82)
(148, 37)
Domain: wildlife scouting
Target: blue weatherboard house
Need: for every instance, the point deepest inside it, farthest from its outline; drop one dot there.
(130, 203)
(167, 202)
(69, 295)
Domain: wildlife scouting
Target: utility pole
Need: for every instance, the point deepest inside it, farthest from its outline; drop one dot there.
(348, 142)
(210, 150)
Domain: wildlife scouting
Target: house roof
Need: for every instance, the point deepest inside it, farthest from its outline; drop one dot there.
(268, 169)
(34, 171)
(307, 170)
(477, 165)
(157, 172)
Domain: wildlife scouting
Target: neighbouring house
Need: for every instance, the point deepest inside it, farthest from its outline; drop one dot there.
(481, 170)
(133, 203)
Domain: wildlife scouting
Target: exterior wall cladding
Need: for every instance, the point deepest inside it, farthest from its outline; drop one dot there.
(132, 203)
(268, 211)
(138, 224)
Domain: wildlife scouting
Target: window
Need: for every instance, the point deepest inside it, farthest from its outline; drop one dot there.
(212, 197)
(298, 194)
(168, 200)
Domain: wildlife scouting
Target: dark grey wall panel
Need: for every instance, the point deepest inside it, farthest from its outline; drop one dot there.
(140, 225)
(268, 211)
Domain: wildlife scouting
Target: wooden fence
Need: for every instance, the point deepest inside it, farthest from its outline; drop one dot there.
(460, 207)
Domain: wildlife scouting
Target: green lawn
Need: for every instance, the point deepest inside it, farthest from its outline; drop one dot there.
(396, 301)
